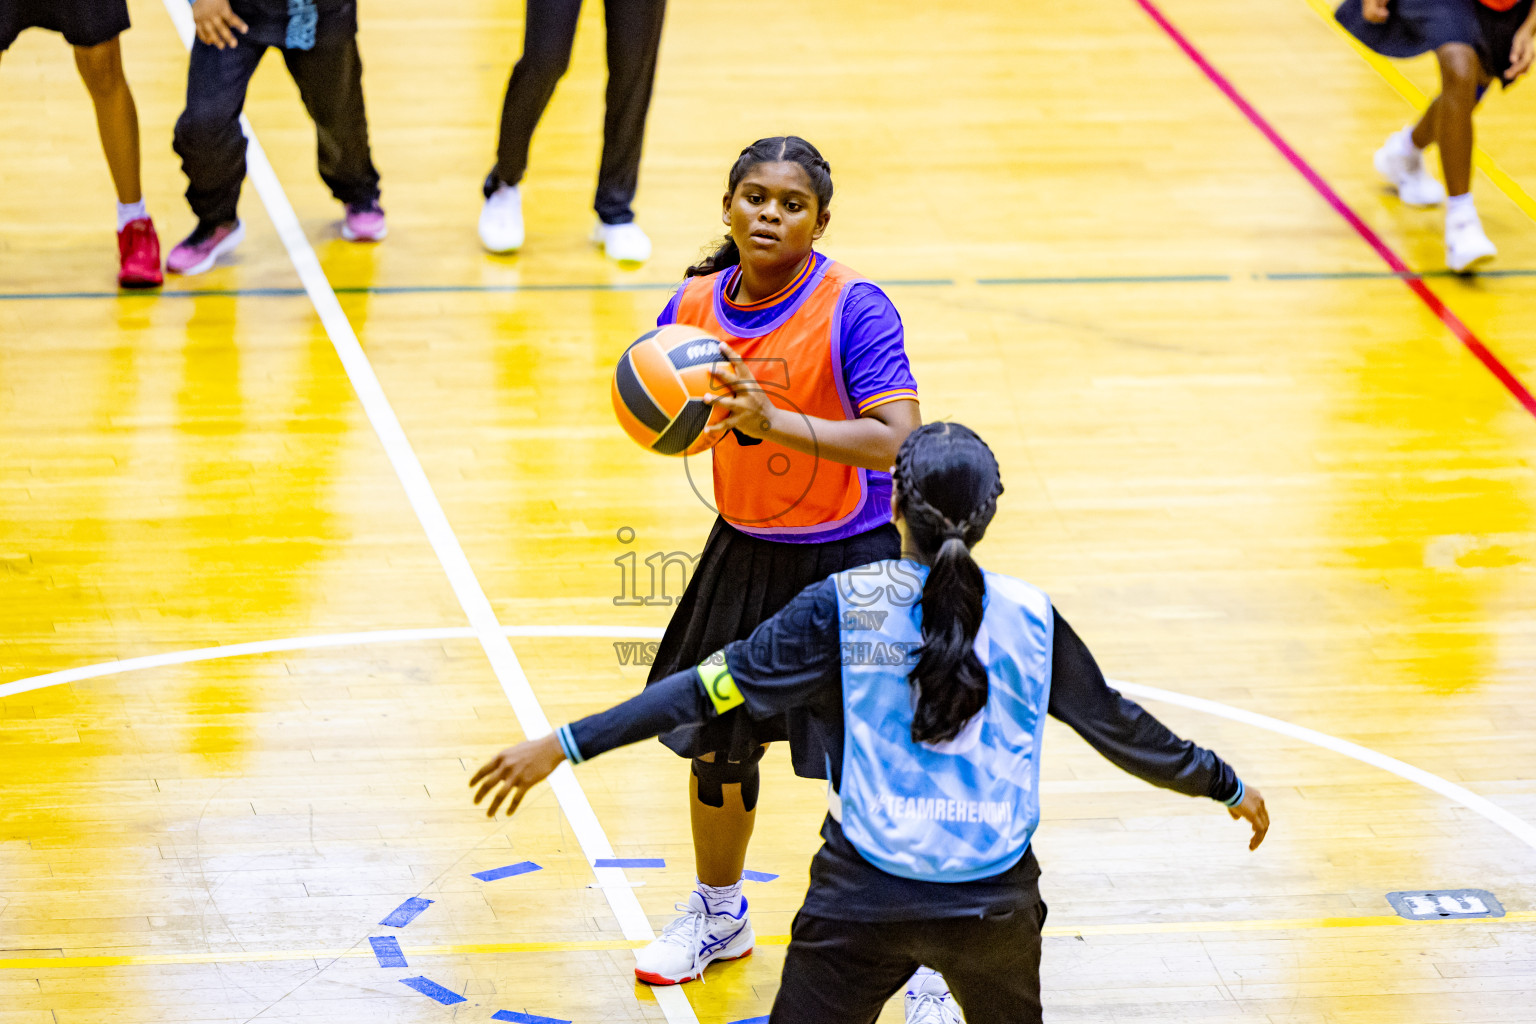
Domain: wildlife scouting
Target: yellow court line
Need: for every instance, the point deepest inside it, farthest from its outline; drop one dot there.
(1410, 92)
(598, 945)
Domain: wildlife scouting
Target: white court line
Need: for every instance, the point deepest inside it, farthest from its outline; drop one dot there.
(1516, 827)
(302, 643)
(1430, 781)
(418, 490)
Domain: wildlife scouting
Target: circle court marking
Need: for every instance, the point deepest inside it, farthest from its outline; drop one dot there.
(1480, 805)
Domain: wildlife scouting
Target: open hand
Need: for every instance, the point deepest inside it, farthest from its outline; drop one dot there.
(1521, 52)
(1375, 11)
(517, 770)
(749, 409)
(1251, 809)
(217, 23)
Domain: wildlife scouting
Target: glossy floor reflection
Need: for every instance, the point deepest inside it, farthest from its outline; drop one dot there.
(1247, 462)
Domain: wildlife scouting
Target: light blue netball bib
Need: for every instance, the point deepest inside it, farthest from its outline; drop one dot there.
(964, 809)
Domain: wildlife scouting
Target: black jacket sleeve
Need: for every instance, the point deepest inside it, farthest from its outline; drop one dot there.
(791, 660)
(1124, 732)
(662, 706)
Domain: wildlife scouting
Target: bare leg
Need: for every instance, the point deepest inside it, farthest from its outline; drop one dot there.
(1460, 73)
(1425, 131)
(117, 119)
(720, 834)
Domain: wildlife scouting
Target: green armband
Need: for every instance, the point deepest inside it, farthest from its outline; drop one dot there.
(720, 687)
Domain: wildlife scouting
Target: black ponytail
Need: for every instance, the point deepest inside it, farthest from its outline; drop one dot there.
(790, 148)
(947, 484)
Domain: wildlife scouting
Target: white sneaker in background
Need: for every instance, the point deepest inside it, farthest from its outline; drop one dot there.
(501, 220)
(623, 243)
(1402, 164)
(693, 941)
(1467, 246)
(929, 1002)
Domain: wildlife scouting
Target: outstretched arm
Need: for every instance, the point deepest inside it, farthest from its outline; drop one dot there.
(791, 660)
(666, 704)
(1136, 742)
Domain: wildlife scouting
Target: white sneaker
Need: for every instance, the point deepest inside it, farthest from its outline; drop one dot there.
(929, 1002)
(623, 243)
(1403, 167)
(1466, 244)
(501, 220)
(693, 941)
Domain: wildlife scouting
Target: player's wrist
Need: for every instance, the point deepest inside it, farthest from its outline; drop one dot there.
(768, 421)
(1237, 798)
(565, 740)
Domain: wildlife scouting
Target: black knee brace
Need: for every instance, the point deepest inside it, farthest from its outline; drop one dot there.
(714, 774)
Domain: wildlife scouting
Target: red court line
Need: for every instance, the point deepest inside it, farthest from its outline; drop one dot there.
(1462, 332)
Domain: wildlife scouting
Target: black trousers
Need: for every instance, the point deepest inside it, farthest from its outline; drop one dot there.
(212, 148)
(634, 37)
(842, 972)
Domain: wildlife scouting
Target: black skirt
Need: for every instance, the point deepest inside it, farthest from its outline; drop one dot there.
(82, 22)
(1419, 26)
(742, 581)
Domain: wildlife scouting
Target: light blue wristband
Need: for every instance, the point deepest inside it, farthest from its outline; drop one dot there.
(1237, 798)
(568, 744)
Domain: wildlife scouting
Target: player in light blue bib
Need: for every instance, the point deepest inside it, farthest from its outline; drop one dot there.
(928, 681)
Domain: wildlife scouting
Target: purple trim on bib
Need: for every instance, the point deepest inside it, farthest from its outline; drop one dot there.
(731, 318)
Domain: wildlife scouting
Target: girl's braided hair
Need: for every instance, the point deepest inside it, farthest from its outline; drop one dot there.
(790, 148)
(947, 485)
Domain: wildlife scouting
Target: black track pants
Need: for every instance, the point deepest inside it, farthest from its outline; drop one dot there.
(212, 148)
(634, 37)
(842, 972)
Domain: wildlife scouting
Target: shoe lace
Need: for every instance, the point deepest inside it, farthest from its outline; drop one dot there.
(686, 931)
(927, 1008)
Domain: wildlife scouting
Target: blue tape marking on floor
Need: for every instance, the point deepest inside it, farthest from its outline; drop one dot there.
(1350, 275)
(751, 1020)
(408, 289)
(1110, 279)
(758, 876)
(502, 289)
(1390, 275)
(529, 1018)
(507, 872)
(406, 912)
(387, 949)
(433, 990)
(629, 862)
(647, 286)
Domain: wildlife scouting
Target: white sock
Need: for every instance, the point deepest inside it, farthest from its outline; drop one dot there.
(129, 212)
(1405, 144)
(1460, 208)
(721, 899)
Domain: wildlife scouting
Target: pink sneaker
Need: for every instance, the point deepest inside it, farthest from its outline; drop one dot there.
(197, 253)
(364, 223)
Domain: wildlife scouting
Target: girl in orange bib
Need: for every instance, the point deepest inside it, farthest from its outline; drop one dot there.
(820, 396)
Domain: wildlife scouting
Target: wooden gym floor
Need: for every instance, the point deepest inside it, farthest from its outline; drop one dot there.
(1251, 464)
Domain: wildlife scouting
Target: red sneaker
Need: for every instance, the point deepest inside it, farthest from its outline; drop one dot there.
(138, 255)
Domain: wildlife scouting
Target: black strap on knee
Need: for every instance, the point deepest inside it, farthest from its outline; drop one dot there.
(712, 775)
